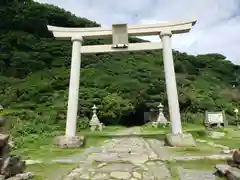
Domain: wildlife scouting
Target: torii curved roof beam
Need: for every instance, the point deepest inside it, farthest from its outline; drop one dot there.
(137, 30)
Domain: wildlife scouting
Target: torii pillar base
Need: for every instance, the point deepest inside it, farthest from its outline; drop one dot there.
(70, 142)
(180, 140)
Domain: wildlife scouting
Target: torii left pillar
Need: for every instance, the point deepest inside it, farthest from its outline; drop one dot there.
(70, 140)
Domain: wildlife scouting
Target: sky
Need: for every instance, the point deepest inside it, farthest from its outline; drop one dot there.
(217, 29)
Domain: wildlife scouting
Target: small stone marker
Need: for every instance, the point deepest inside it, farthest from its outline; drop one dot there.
(216, 135)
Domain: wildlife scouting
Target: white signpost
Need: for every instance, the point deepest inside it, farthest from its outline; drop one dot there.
(120, 34)
(215, 118)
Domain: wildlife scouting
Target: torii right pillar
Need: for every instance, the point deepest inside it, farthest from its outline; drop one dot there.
(177, 137)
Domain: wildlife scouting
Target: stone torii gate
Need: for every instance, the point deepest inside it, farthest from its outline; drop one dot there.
(120, 34)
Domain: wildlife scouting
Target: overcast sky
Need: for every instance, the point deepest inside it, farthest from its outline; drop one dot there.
(217, 29)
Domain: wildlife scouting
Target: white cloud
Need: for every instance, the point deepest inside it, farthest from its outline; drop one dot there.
(217, 29)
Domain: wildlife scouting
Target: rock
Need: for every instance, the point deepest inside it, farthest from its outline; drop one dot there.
(14, 178)
(85, 176)
(11, 143)
(147, 176)
(2, 121)
(137, 175)
(236, 156)
(222, 168)
(12, 166)
(121, 175)
(233, 174)
(25, 176)
(216, 135)
(100, 176)
(3, 139)
(226, 151)
(159, 171)
(180, 140)
(5, 150)
(101, 165)
(117, 167)
(191, 174)
(201, 140)
(70, 142)
(29, 162)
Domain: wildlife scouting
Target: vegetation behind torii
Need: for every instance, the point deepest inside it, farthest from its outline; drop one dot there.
(35, 68)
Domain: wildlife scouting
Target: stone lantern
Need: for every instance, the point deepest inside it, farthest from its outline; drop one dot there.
(161, 120)
(95, 124)
(160, 107)
(236, 114)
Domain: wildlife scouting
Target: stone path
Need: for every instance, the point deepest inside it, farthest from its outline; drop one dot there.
(129, 158)
(190, 174)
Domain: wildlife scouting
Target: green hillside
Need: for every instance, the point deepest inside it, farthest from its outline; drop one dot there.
(34, 76)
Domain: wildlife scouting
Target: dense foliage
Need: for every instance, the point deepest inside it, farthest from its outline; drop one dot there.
(34, 75)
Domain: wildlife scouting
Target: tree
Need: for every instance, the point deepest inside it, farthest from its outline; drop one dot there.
(35, 70)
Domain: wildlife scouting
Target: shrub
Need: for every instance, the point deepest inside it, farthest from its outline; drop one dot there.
(198, 133)
(196, 118)
(83, 123)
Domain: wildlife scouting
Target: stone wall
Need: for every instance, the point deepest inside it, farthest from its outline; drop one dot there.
(11, 167)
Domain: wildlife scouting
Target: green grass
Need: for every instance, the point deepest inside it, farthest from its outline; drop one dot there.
(192, 127)
(173, 170)
(54, 171)
(204, 165)
(42, 147)
(232, 138)
(107, 131)
(227, 141)
(113, 128)
(148, 129)
(200, 150)
(48, 151)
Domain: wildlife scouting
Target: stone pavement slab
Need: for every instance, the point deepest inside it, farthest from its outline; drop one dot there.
(190, 174)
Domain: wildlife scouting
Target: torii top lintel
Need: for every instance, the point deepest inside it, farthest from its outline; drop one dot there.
(137, 30)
